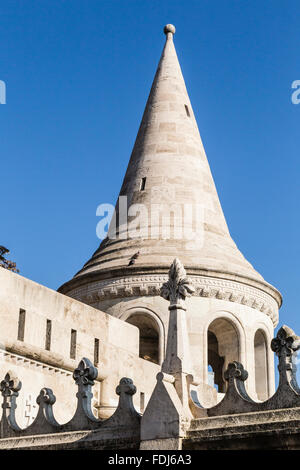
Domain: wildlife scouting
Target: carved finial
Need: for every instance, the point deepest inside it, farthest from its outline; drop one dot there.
(11, 384)
(126, 386)
(169, 28)
(178, 287)
(286, 342)
(285, 346)
(235, 370)
(126, 389)
(85, 373)
(46, 396)
(9, 388)
(84, 376)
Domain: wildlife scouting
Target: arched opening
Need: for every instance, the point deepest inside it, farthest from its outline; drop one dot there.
(149, 336)
(223, 348)
(261, 365)
(215, 362)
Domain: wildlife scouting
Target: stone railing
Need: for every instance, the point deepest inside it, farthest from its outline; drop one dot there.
(174, 404)
(174, 410)
(236, 400)
(166, 414)
(173, 407)
(125, 422)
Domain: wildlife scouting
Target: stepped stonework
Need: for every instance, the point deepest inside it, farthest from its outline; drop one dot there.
(234, 311)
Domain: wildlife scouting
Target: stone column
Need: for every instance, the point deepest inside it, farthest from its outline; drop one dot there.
(178, 358)
(168, 414)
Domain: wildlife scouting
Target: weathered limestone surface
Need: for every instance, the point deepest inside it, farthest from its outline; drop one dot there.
(201, 312)
(166, 425)
(229, 293)
(168, 413)
(277, 430)
(174, 417)
(76, 440)
(229, 321)
(162, 444)
(267, 430)
(35, 366)
(237, 422)
(169, 152)
(83, 430)
(165, 416)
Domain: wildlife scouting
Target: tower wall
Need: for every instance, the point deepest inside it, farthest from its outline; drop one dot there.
(218, 304)
(234, 310)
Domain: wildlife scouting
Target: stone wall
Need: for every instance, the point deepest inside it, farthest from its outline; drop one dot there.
(40, 357)
(202, 315)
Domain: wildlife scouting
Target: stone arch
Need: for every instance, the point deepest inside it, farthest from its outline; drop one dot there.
(224, 342)
(151, 339)
(261, 364)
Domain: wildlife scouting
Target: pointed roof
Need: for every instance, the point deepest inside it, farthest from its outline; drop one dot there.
(168, 166)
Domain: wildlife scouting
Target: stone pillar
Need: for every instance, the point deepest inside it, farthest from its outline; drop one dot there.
(178, 358)
(168, 414)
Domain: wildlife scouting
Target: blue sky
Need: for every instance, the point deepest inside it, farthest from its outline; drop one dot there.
(78, 74)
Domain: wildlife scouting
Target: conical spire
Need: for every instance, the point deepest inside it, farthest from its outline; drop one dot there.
(168, 166)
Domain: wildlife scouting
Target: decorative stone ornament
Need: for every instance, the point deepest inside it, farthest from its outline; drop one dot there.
(166, 415)
(10, 385)
(126, 389)
(235, 370)
(287, 395)
(168, 151)
(85, 373)
(205, 287)
(286, 342)
(169, 28)
(285, 346)
(178, 287)
(124, 422)
(9, 388)
(46, 396)
(126, 386)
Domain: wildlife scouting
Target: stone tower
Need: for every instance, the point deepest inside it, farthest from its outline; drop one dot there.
(169, 193)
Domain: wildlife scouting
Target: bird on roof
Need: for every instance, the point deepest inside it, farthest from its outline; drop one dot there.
(133, 258)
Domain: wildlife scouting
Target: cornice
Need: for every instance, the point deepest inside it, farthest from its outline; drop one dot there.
(158, 270)
(150, 285)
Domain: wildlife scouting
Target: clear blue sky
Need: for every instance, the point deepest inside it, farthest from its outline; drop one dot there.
(78, 74)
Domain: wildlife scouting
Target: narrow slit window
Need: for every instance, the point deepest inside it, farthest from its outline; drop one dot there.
(48, 335)
(21, 324)
(187, 110)
(73, 344)
(142, 402)
(143, 184)
(96, 351)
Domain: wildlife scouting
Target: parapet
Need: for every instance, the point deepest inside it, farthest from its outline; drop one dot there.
(236, 419)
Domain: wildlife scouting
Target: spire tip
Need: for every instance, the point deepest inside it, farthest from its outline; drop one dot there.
(169, 28)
